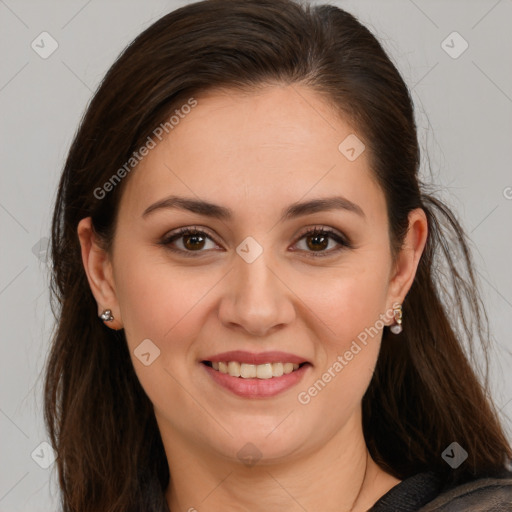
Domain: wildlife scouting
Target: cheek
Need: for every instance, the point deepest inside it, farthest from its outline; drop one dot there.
(162, 302)
(347, 306)
(346, 300)
(346, 363)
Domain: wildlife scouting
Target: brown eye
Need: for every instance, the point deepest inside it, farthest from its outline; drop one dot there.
(193, 242)
(317, 240)
(188, 240)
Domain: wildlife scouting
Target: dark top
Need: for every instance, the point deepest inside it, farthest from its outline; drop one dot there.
(424, 493)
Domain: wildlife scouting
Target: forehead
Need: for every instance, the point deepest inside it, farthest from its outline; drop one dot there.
(255, 148)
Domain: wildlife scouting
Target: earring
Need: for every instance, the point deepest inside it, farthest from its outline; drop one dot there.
(397, 313)
(107, 316)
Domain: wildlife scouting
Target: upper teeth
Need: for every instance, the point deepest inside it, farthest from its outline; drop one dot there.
(251, 371)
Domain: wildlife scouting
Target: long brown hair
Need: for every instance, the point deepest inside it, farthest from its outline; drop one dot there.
(425, 393)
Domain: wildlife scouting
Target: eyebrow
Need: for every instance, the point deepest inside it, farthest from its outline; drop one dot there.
(295, 210)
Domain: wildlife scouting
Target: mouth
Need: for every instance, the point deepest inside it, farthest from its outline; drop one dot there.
(263, 371)
(255, 374)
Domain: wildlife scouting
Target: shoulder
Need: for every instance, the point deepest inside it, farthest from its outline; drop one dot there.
(482, 495)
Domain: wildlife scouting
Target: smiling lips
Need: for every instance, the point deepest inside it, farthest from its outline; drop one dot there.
(256, 375)
(251, 371)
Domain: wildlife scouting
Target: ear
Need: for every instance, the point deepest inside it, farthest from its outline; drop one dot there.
(404, 270)
(98, 268)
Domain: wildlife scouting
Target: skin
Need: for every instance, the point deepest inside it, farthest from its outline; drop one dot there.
(256, 152)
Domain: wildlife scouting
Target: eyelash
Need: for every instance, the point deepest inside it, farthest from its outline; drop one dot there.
(314, 231)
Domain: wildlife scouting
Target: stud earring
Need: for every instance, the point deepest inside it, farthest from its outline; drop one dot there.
(107, 316)
(397, 314)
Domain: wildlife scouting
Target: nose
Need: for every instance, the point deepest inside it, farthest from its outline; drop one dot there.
(256, 299)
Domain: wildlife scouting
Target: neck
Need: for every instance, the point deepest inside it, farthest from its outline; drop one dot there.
(340, 476)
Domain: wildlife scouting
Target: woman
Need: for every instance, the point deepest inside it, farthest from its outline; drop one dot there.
(282, 308)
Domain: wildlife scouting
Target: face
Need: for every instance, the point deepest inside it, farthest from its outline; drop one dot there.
(254, 280)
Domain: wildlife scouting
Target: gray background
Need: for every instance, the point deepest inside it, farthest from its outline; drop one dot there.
(464, 113)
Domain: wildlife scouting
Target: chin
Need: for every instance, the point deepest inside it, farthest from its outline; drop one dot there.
(259, 447)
